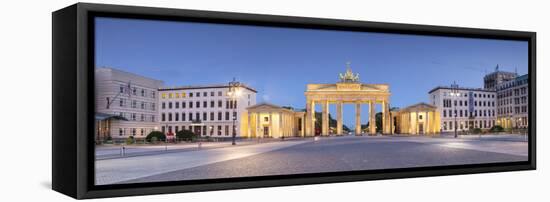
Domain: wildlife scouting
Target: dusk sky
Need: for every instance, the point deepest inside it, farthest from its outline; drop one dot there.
(279, 62)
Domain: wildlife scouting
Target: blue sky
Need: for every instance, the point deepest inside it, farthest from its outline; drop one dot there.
(279, 62)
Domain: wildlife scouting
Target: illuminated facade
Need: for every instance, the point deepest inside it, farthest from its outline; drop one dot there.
(126, 104)
(464, 108)
(206, 110)
(418, 119)
(348, 91)
(271, 121)
(513, 103)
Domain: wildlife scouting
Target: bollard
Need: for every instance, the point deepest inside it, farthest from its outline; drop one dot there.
(200, 145)
(122, 151)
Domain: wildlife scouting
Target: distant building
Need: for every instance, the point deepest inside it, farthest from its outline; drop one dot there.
(472, 107)
(266, 120)
(513, 102)
(206, 110)
(126, 104)
(492, 80)
(418, 119)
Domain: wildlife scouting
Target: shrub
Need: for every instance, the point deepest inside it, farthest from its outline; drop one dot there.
(186, 135)
(130, 140)
(497, 128)
(476, 130)
(159, 136)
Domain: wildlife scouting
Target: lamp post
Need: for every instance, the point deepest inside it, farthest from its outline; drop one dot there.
(233, 94)
(455, 93)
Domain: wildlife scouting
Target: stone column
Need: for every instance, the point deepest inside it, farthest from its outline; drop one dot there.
(270, 125)
(428, 126)
(385, 119)
(372, 117)
(258, 126)
(324, 122)
(303, 131)
(358, 118)
(416, 131)
(249, 126)
(339, 123)
(281, 127)
(309, 118)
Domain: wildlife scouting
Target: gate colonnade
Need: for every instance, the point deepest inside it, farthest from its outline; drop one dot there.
(347, 91)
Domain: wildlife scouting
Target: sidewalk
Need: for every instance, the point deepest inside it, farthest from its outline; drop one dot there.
(124, 151)
(109, 171)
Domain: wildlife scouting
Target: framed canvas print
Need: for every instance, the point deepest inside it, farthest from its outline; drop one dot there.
(155, 100)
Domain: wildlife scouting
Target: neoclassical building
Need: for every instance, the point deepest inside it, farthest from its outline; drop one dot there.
(271, 121)
(418, 119)
(347, 91)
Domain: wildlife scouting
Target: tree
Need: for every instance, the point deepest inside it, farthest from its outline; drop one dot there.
(157, 134)
(186, 135)
(496, 129)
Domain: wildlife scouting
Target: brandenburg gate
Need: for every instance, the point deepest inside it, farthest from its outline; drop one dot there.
(347, 91)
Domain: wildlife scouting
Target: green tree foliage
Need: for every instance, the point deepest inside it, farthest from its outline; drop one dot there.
(159, 136)
(186, 135)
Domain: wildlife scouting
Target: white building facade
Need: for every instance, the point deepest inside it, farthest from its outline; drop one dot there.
(472, 107)
(513, 102)
(205, 110)
(130, 97)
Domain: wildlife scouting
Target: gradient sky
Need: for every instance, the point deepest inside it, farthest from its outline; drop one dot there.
(279, 62)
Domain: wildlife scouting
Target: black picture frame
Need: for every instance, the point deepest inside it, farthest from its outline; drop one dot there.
(73, 103)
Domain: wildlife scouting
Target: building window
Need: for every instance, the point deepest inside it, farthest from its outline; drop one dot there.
(170, 105)
(142, 132)
(197, 116)
(190, 116)
(190, 94)
(211, 104)
(266, 119)
(169, 116)
(121, 90)
(204, 94)
(182, 116)
(190, 105)
(177, 116)
(120, 132)
(220, 104)
(219, 93)
(133, 132)
(198, 104)
(226, 130)
(177, 105)
(444, 113)
(163, 117)
(142, 92)
(204, 104)
(204, 116)
(211, 116)
(163, 105)
(219, 116)
(198, 94)
(219, 130)
(226, 116)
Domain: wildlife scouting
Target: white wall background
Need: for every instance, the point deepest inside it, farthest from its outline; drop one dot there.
(25, 101)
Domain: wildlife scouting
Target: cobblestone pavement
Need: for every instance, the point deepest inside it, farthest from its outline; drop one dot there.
(331, 154)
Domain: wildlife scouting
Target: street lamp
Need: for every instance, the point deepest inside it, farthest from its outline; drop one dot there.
(455, 93)
(234, 93)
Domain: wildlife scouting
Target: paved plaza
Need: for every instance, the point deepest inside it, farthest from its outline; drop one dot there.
(328, 154)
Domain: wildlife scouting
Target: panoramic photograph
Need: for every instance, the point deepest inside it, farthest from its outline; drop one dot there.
(178, 101)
